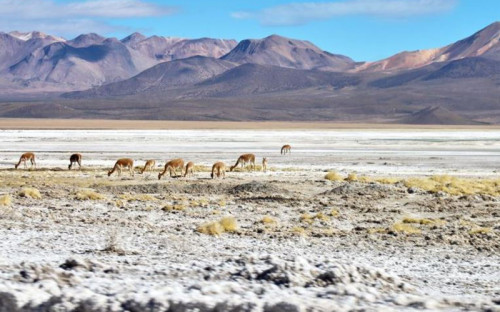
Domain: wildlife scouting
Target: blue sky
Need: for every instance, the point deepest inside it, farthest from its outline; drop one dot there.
(365, 30)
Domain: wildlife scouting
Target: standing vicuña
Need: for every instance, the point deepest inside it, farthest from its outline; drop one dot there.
(24, 158)
(264, 164)
(75, 158)
(189, 169)
(286, 149)
(149, 166)
(218, 169)
(121, 164)
(244, 159)
(172, 165)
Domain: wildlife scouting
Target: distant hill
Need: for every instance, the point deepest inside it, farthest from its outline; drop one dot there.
(437, 116)
(284, 52)
(484, 42)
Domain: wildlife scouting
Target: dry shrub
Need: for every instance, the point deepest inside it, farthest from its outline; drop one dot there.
(480, 230)
(387, 180)
(333, 176)
(226, 224)
(321, 216)
(377, 230)
(364, 179)
(405, 228)
(334, 213)
(306, 218)
(30, 192)
(174, 207)
(222, 203)
(5, 200)
(212, 228)
(138, 197)
(423, 221)
(89, 195)
(455, 185)
(268, 220)
(229, 224)
(297, 230)
(351, 177)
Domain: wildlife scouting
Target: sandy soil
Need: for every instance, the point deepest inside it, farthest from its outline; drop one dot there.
(286, 240)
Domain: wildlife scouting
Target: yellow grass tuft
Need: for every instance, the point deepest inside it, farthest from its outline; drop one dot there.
(321, 216)
(30, 192)
(333, 176)
(456, 186)
(138, 197)
(212, 228)
(419, 221)
(229, 224)
(377, 230)
(5, 200)
(89, 195)
(334, 213)
(351, 177)
(405, 228)
(387, 180)
(480, 230)
(306, 218)
(222, 203)
(298, 230)
(216, 228)
(268, 220)
(175, 207)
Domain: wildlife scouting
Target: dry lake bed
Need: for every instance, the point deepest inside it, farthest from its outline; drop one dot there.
(382, 219)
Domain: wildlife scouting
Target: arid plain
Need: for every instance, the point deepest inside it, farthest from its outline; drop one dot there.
(376, 219)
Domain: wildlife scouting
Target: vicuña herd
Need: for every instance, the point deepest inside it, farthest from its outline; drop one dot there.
(172, 166)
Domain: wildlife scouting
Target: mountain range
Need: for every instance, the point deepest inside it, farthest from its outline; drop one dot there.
(274, 78)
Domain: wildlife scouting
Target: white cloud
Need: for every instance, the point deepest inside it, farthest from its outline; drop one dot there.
(305, 12)
(74, 17)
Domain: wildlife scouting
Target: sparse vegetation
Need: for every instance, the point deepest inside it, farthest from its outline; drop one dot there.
(89, 195)
(174, 207)
(269, 220)
(351, 177)
(405, 228)
(297, 230)
(5, 200)
(423, 221)
(455, 185)
(30, 192)
(480, 230)
(333, 176)
(138, 197)
(226, 224)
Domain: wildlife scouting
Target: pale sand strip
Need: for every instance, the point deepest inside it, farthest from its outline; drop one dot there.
(24, 123)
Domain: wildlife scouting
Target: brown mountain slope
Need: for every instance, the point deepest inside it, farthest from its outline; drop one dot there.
(284, 52)
(483, 42)
(163, 76)
(434, 115)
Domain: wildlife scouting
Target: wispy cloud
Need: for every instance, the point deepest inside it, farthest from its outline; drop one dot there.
(75, 16)
(305, 12)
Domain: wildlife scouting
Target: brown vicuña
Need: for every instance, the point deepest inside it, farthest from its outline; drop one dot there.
(286, 149)
(121, 164)
(24, 158)
(172, 165)
(218, 169)
(189, 169)
(149, 166)
(264, 164)
(244, 159)
(75, 158)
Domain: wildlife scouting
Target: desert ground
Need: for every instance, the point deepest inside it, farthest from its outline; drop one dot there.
(353, 219)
